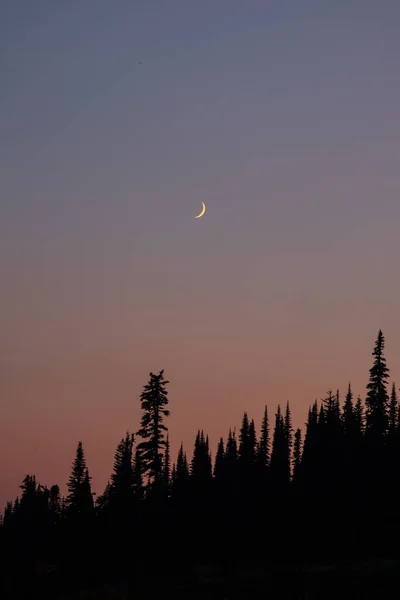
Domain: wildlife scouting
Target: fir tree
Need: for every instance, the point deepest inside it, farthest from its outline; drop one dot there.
(393, 411)
(181, 478)
(122, 478)
(138, 476)
(154, 399)
(360, 417)
(296, 455)
(288, 432)
(219, 461)
(244, 441)
(349, 418)
(201, 468)
(377, 401)
(264, 442)
(167, 469)
(79, 500)
(7, 514)
(280, 469)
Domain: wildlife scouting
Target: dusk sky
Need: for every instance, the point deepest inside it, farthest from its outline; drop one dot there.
(283, 117)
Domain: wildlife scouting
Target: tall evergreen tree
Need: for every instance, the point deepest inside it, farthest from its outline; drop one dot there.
(201, 467)
(154, 399)
(79, 500)
(360, 416)
(181, 479)
(7, 514)
(377, 401)
(167, 469)
(393, 411)
(219, 461)
(296, 455)
(280, 470)
(349, 418)
(288, 431)
(264, 446)
(244, 440)
(138, 476)
(122, 478)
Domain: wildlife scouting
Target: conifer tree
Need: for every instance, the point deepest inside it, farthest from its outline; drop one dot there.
(296, 455)
(87, 495)
(288, 431)
(167, 469)
(219, 461)
(360, 417)
(311, 448)
(79, 500)
(103, 501)
(181, 479)
(377, 401)
(244, 440)
(349, 418)
(7, 514)
(393, 411)
(16, 505)
(231, 463)
(201, 468)
(280, 469)
(154, 399)
(121, 491)
(264, 443)
(138, 476)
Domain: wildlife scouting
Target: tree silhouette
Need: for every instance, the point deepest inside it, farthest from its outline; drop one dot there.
(297, 455)
(334, 494)
(377, 400)
(154, 399)
(121, 490)
(167, 469)
(79, 500)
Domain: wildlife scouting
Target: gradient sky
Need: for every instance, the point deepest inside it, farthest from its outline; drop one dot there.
(284, 118)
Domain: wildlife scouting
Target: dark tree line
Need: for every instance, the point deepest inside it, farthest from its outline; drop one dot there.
(270, 495)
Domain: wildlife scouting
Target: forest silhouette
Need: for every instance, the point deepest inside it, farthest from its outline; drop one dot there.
(276, 500)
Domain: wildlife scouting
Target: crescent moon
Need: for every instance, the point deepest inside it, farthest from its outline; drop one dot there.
(201, 213)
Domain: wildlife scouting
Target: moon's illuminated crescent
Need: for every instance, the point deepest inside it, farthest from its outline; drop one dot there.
(203, 210)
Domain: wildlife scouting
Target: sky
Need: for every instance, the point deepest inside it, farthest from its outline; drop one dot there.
(117, 120)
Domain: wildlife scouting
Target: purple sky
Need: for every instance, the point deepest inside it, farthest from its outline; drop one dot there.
(283, 117)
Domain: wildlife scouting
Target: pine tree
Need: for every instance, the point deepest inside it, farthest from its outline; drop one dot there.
(244, 440)
(122, 478)
(87, 495)
(201, 468)
(231, 464)
(79, 500)
(181, 478)
(154, 399)
(280, 469)
(138, 476)
(349, 417)
(264, 443)
(7, 514)
(288, 431)
(16, 506)
(297, 455)
(311, 449)
(360, 418)
(247, 455)
(167, 469)
(377, 400)
(393, 411)
(103, 501)
(219, 461)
